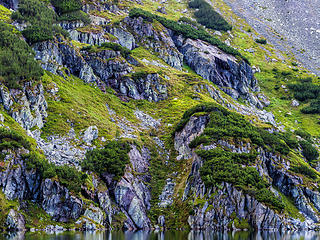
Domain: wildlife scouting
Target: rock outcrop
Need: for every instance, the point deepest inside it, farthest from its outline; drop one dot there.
(26, 106)
(224, 204)
(15, 221)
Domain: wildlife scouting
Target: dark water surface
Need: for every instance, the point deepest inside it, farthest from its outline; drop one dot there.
(169, 235)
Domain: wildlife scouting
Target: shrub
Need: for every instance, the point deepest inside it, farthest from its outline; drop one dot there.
(208, 17)
(16, 59)
(224, 166)
(66, 6)
(309, 151)
(111, 159)
(261, 41)
(35, 33)
(116, 47)
(304, 170)
(58, 30)
(12, 139)
(75, 16)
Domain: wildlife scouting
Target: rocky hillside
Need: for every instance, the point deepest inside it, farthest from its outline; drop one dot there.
(133, 115)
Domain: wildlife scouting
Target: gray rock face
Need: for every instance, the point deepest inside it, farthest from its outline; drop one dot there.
(167, 194)
(132, 194)
(15, 221)
(226, 199)
(220, 68)
(11, 4)
(59, 203)
(88, 38)
(162, 42)
(95, 214)
(90, 134)
(30, 99)
(126, 39)
(18, 183)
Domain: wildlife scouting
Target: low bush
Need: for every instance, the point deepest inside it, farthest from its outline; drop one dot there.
(304, 170)
(221, 165)
(75, 16)
(110, 159)
(66, 6)
(309, 151)
(208, 17)
(17, 61)
(261, 41)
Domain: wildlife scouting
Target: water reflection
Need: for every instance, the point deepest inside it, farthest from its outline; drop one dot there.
(168, 235)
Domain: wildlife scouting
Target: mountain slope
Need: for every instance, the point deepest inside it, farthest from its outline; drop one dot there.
(163, 117)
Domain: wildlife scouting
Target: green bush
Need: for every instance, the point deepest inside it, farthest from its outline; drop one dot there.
(261, 41)
(309, 151)
(58, 30)
(111, 159)
(75, 16)
(35, 33)
(208, 17)
(221, 165)
(304, 170)
(12, 139)
(303, 134)
(66, 6)
(186, 30)
(116, 47)
(16, 59)
(226, 124)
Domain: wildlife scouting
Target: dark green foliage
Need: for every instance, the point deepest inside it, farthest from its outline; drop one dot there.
(34, 12)
(261, 41)
(290, 139)
(313, 108)
(116, 47)
(37, 33)
(223, 166)
(75, 16)
(309, 172)
(305, 90)
(309, 151)
(208, 17)
(40, 16)
(303, 134)
(58, 30)
(138, 75)
(193, 23)
(226, 124)
(68, 176)
(66, 6)
(186, 30)
(111, 159)
(87, 48)
(16, 59)
(11, 139)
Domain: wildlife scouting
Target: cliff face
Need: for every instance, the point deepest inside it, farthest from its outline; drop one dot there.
(225, 203)
(152, 77)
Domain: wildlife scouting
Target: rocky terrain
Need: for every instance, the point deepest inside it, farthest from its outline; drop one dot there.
(134, 80)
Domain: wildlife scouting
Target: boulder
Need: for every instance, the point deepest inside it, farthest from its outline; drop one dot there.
(15, 221)
(95, 214)
(294, 103)
(90, 134)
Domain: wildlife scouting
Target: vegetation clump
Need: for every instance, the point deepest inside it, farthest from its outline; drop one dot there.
(110, 159)
(66, 6)
(309, 151)
(303, 169)
(224, 166)
(17, 61)
(261, 41)
(186, 30)
(208, 17)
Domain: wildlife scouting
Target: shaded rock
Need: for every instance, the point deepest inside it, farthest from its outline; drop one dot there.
(218, 67)
(15, 221)
(95, 214)
(126, 39)
(294, 103)
(58, 203)
(162, 9)
(90, 134)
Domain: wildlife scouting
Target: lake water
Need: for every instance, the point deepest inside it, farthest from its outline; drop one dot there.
(169, 235)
